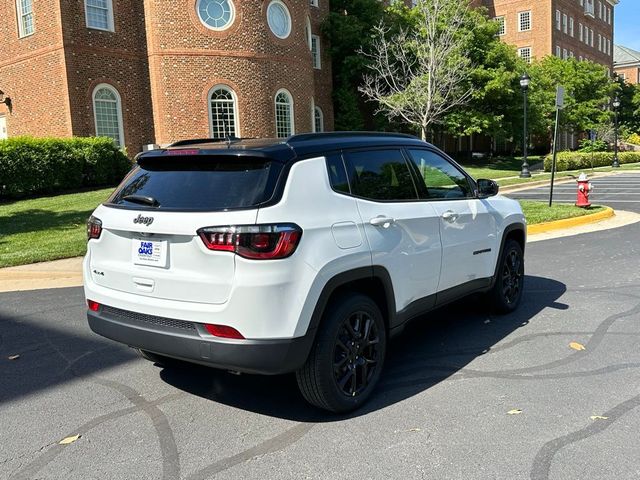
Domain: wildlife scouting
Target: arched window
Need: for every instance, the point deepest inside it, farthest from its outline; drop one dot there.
(284, 114)
(318, 120)
(107, 111)
(223, 112)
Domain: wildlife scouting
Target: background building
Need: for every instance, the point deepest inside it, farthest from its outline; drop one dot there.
(626, 63)
(581, 29)
(156, 71)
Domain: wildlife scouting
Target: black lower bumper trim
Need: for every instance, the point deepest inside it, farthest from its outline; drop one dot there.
(268, 357)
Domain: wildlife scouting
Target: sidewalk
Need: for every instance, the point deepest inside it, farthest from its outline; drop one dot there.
(37, 276)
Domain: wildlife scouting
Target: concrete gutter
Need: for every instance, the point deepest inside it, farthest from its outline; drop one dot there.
(37, 276)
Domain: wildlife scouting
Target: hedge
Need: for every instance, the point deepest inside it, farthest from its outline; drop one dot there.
(31, 166)
(580, 160)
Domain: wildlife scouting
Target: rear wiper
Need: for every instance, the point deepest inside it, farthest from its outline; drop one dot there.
(152, 202)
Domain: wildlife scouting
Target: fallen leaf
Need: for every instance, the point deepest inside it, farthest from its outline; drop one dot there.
(487, 321)
(13, 357)
(68, 440)
(577, 346)
(415, 430)
(515, 411)
(598, 417)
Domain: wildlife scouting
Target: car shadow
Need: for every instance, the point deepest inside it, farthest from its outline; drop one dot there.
(430, 350)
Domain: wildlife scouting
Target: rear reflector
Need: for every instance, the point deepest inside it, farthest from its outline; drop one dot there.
(256, 242)
(93, 306)
(223, 331)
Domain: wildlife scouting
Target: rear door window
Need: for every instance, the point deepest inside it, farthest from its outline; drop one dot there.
(380, 175)
(198, 183)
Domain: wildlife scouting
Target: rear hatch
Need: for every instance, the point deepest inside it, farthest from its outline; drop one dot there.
(149, 245)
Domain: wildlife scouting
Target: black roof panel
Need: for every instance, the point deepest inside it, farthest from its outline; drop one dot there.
(285, 150)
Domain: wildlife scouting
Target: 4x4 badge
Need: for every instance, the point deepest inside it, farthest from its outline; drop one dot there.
(143, 220)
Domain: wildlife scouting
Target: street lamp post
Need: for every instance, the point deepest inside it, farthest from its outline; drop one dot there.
(524, 83)
(616, 105)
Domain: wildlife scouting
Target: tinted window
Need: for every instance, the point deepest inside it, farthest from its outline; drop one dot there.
(380, 175)
(337, 173)
(199, 183)
(441, 178)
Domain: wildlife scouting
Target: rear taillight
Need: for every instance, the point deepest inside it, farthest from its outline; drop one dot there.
(223, 331)
(94, 227)
(258, 242)
(93, 306)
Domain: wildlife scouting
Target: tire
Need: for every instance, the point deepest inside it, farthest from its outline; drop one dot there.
(506, 293)
(342, 370)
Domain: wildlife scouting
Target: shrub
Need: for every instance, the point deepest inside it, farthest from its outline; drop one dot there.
(581, 161)
(588, 146)
(634, 138)
(51, 165)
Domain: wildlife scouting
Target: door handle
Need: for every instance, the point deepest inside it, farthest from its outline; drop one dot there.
(382, 221)
(450, 216)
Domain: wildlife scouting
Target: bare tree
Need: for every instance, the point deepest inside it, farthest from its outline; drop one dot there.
(421, 73)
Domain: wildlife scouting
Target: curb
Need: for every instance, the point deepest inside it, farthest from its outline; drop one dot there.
(570, 222)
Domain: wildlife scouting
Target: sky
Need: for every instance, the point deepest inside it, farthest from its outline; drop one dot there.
(627, 24)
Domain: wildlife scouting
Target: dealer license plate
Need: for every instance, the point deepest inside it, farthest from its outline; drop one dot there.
(149, 252)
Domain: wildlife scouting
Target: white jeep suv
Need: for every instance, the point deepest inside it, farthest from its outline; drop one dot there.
(301, 255)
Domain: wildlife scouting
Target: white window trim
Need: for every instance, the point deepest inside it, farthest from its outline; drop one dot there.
(217, 29)
(110, 20)
(503, 24)
(236, 115)
(520, 21)
(317, 63)
(283, 5)
(118, 109)
(21, 33)
(291, 110)
(319, 110)
(522, 49)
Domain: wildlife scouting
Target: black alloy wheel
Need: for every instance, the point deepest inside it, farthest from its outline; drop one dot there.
(509, 282)
(347, 357)
(356, 353)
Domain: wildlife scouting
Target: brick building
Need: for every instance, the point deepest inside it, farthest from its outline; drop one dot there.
(156, 71)
(626, 63)
(582, 29)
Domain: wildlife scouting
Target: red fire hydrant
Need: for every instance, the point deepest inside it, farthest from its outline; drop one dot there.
(584, 190)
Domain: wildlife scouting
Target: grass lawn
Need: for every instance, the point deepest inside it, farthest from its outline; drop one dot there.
(499, 167)
(50, 228)
(539, 212)
(47, 228)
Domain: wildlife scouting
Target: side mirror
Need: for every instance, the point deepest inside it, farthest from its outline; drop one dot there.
(487, 188)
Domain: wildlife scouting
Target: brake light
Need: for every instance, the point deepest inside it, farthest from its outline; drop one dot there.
(256, 242)
(93, 306)
(94, 227)
(183, 151)
(223, 331)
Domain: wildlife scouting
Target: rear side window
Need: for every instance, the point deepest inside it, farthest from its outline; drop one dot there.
(380, 175)
(198, 183)
(441, 178)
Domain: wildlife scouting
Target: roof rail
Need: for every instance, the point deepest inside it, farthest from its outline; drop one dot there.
(316, 136)
(198, 141)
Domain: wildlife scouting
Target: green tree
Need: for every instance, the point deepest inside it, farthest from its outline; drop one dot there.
(349, 29)
(420, 72)
(588, 93)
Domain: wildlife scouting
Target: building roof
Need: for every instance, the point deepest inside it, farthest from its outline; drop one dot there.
(625, 56)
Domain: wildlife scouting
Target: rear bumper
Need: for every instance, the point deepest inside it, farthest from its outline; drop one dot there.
(191, 342)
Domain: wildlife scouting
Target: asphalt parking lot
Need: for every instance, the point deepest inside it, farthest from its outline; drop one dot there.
(620, 191)
(464, 395)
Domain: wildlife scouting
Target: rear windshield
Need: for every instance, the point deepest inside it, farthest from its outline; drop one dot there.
(198, 183)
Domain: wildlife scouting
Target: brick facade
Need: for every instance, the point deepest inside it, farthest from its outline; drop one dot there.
(565, 28)
(163, 62)
(627, 64)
